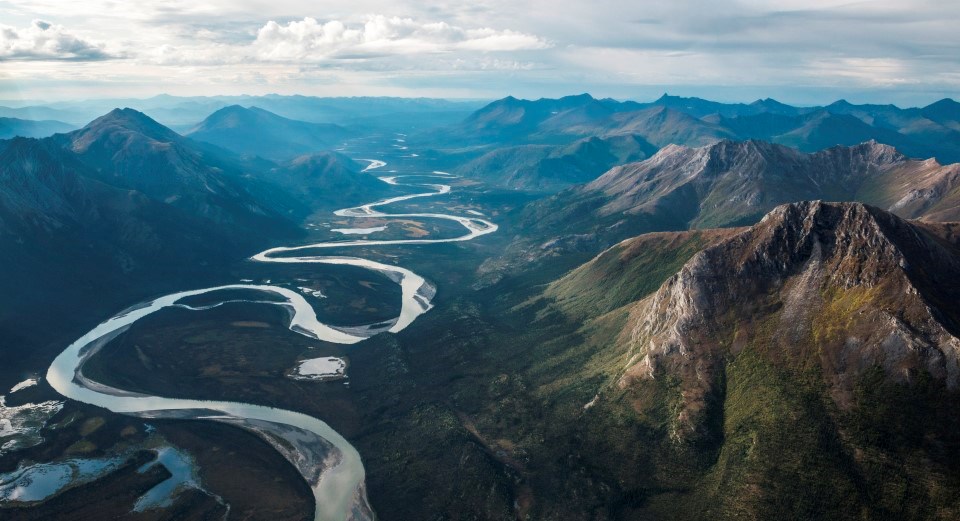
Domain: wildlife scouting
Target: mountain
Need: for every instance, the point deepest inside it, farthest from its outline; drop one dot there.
(699, 107)
(553, 167)
(661, 126)
(129, 150)
(772, 106)
(730, 183)
(326, 181)
(14, 127)
(802, 368)
(694, 122)
(48, 199)
(183, 112)
(64, 235)
(765, 125)
(574, 117)
(259, 132)
(945, 112)
(784, 371)
(727, 184)
(629, 270)
(824, 129)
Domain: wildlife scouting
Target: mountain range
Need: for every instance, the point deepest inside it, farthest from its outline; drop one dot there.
(183, 112)
(673, 321)
(127, 205)
(733, 183)
(15, 127)
(549, 168)
(931, 131)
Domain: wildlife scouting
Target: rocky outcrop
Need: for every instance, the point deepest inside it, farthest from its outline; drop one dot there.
(842, 288)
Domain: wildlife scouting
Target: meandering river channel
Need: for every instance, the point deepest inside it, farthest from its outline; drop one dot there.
(331, 466)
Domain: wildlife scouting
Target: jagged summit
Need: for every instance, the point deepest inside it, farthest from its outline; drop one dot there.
(844, 287)
(720, 183)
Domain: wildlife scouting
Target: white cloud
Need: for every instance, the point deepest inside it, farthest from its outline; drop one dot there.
(492, 47)
(308, 39)
(46, 41)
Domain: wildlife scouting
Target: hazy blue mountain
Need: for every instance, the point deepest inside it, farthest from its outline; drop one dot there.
(259, 132)
(945, 112)
(660, 126)
(183, 112)
(567, 119)
(694, 122)
(325, 181)
(765, 125)
(554, 167)
(15, 127)
(698, 107)
(823, 129)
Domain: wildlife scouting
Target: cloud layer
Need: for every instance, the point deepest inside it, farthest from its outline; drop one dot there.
(885, 50)
(380, 35)
(46, 41)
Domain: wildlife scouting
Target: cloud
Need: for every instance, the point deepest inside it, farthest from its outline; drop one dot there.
(46, 41)
(492, 47)
(308, 39)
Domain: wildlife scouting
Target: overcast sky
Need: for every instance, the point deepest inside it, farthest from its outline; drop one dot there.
(812, 51)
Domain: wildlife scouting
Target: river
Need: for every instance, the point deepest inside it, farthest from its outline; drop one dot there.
(328, 462)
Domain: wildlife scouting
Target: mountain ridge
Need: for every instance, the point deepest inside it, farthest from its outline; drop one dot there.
(260, 132)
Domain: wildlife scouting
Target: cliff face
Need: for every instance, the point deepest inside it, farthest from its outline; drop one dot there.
(838, 289)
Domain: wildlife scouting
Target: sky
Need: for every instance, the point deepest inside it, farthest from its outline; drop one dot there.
(905, 52)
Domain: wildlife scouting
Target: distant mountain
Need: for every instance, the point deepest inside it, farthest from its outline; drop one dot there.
(661, 126)
(183, 112)
(542, 120)
(325, 181)
(554, 167)
(695, 122)
(127, 149)
(699, 107)
(946, 112)
(765, 125)
(564, 120)
(14, 127)
(824, 129)
(259, 132)
(732, 183)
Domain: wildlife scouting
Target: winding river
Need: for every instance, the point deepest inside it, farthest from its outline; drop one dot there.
(331, 466)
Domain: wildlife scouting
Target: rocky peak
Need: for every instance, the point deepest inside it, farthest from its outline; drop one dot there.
(121, 124)
(870, 151)
(816, 284)
(728, 154)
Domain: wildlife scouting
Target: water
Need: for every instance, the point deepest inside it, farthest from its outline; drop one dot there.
(331, 466)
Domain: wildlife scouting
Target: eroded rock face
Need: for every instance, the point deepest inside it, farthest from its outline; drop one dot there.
(842, 287)
(727, 180)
